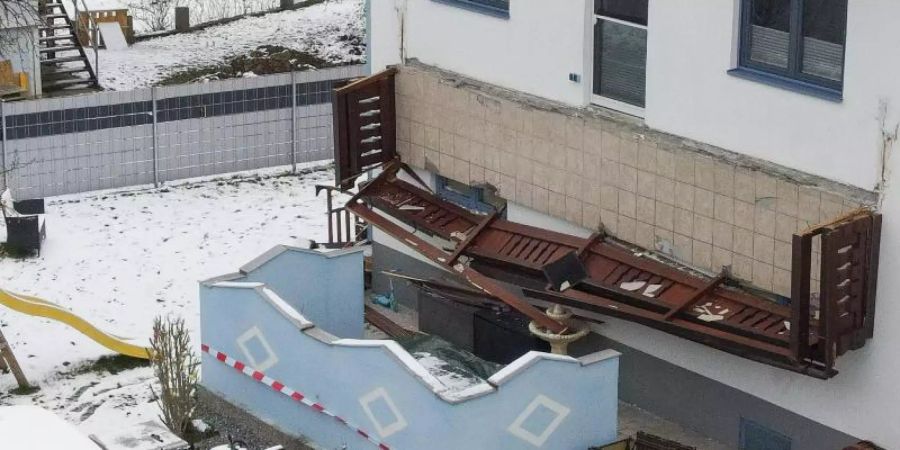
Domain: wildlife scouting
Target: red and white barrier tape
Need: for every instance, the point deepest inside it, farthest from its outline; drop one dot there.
(294, 395)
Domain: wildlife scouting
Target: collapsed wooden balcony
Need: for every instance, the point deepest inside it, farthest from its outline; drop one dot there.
(601, 276)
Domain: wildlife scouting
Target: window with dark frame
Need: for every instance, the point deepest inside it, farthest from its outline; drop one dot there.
(795, 40)
(620, 50)
(498, 8)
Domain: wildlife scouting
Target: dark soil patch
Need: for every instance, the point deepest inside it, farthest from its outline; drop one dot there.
(112, 364)
(266, 59)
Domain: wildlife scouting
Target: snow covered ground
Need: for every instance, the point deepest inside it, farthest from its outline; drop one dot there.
(319, 29)
(121, 258)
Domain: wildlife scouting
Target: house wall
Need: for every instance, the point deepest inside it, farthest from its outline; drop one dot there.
(689, 92)
(378, 387)
(534, 50)
(700, 205)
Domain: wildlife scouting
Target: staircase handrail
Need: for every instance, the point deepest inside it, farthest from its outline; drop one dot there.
(95, 35)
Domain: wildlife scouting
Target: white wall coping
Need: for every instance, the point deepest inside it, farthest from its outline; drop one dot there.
(405, 359)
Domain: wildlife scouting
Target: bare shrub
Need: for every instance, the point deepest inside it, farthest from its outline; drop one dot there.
(176, 366)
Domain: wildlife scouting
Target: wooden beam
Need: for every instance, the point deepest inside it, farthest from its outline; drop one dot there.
(800, 281)
(697, 295)
(12, 363)
(589, 243)
(470, 237)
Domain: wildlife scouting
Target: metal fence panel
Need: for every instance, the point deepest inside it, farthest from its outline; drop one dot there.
(109, 140)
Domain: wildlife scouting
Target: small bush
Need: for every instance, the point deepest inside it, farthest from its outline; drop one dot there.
(176, 367)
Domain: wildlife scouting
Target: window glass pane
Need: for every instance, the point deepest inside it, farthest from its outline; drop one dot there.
(620, 62)
(824, 32)
(628, 10)
(770, 25)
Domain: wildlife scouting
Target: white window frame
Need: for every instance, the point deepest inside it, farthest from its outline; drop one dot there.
(600, 100)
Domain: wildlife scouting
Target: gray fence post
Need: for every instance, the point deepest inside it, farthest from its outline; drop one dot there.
(293, 121)
(3, 143)
(155, 139)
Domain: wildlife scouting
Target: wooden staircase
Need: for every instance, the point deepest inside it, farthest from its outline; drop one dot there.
(64, 63)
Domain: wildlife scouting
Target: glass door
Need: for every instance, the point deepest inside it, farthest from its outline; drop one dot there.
(620, 54)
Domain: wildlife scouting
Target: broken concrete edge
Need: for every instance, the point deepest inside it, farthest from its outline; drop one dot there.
(403, 357)
(667, 141)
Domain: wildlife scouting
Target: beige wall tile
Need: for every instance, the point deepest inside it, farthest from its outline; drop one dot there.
(508, 163)
(609, 172)
(627, 178)
(765, 186)
(724, 177)
(540, 199)
(684, 248)
(524, 193)
(644, 235)
(665, 164)
(612, 145)
(591, 217)
(742, 267)
(704, 202)
(744, 214)
(609, 197)
(626, 228)
(476, 153)
(575, 133)
(684, 168)
(627, 204)
(646, 184)
(787, 198)
(557, 204)
(610, 220)
(665, 216)
(576, 187)
(540, 149)
(743, 242)
(432, 138)
(524, 169)
(744, 186)
(593, 141)
(476, 174)
(781, 282)
(574, 210)
(764, 220)
(783, 255)
(647, 157)
(723, 234)
(684, 222)
(704, 173)
(417, 156)
(763, 248)
(575, 161)
(724, 208)
(664, 241)
(432, 160)
(703, 228)
(540, 175)
(702, 255)
(665, 190)
(628, 150)
(556, 180)
(684, 195)
(762, 275)
(721, 257)
(785, 227)
(507, 188)
(646, 209)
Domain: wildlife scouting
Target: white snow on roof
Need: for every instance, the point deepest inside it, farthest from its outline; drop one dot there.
(28, 427)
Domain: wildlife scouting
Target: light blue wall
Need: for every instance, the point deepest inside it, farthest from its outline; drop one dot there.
(327, 288)
(338, 373)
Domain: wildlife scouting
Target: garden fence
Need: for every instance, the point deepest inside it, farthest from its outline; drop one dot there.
(116, 139)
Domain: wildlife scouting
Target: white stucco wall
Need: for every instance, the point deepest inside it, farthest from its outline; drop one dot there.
(691, 46)
(533, 51)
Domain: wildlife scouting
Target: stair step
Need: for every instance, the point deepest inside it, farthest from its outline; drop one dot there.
(61, 48)
(54, 27)
(55, 16)
(47, 73)
(63, 59)
(67, 83)
(47, 39)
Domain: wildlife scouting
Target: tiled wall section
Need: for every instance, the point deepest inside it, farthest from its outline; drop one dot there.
(645, 187)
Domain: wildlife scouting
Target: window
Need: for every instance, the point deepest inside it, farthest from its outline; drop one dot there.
(754, 436)
(620, 54)
(498, 8)
(795, 40)
(478, 199)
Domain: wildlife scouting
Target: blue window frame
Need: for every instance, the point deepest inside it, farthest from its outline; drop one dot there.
(499, 8)
(758, 437)
(795, 43)
(469, 197)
